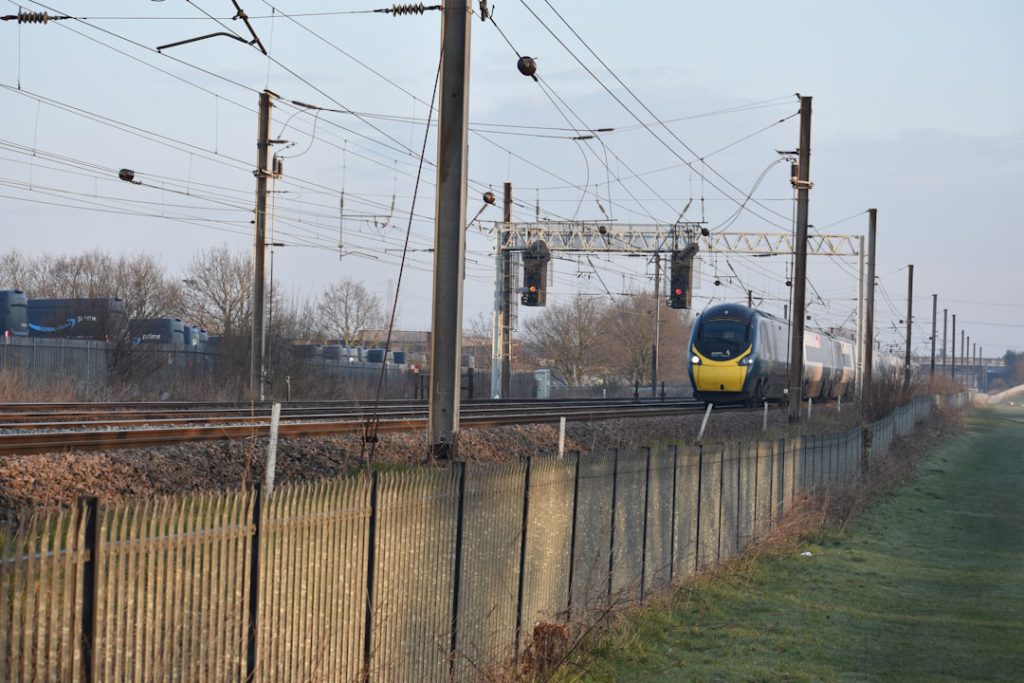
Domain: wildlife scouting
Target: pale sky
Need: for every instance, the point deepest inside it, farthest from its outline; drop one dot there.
(918, 111)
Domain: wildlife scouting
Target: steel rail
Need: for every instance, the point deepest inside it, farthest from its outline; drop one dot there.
(43, 420)
(109, 439)
(99, 406)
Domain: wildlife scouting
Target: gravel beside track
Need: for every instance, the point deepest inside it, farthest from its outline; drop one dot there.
(45, 480)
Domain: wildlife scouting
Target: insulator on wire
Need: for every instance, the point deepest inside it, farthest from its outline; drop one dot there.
(30, 17)
(417, 8)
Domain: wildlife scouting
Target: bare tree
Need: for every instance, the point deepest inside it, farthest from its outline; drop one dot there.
(627, 346)
(567, 338)
(218, 292)
(476, 341)
(346, 310)
(19, 271)
(146, 288)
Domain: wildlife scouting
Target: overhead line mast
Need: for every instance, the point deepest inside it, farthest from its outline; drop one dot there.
(802, 183)
(262, 172)
(449, 232)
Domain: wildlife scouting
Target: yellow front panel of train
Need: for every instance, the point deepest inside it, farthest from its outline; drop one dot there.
(719, 376)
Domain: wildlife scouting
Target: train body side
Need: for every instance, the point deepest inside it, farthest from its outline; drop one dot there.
(740, 355)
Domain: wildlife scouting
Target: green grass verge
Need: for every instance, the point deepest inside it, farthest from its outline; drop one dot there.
(928, 585)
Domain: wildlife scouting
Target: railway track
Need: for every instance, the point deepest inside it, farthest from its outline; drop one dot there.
(37, 428)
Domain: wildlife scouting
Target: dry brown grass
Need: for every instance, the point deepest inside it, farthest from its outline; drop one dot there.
(15, 387)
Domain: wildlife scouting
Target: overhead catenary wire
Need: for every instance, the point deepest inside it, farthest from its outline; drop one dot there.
(188, 64)
(310, 215)
(193, 66)
(562, 107)
(242, 164)
(690, 163)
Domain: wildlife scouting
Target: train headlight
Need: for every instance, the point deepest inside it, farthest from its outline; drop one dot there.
(695, 359)
(747, 360)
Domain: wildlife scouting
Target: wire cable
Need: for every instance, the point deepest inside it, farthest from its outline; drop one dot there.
(648, 128)
(371, 428)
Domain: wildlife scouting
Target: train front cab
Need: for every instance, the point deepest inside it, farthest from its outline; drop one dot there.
(722, 361)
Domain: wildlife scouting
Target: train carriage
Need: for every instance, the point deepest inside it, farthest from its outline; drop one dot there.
(741, 355)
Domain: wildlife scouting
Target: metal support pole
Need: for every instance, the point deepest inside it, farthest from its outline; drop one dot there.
(869, 304)
(859, 352)
(449, 232)
(496, 319)
(945, 328)
(657, 324)
(257, 374)
(910, 316)
(963, 351)
(460, 524)
(704, 422)
(952, 352)
(803, 186)
(966, 354)
(506, 305)
(90, 507)
(935, 315)
(500, 343)
(974, 366)
(271, 467)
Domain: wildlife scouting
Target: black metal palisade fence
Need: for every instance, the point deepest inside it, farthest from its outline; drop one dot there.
(425, 575)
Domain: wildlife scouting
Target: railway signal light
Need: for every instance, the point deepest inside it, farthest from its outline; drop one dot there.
(535, 274)
(681, 277)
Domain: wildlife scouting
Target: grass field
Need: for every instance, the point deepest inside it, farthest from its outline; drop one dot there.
(928, 585)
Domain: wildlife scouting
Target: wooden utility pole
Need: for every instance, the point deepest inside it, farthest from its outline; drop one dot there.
(935, 313)
(449, 232)
(869, 305)
(657, 324)
(907, 371)
(803, 186)
(257, 376)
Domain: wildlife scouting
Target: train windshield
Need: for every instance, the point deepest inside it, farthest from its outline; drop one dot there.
(723, 337)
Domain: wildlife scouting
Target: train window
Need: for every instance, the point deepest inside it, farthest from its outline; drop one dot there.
(727, 330)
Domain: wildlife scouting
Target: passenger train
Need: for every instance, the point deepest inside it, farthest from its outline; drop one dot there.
(741, 355)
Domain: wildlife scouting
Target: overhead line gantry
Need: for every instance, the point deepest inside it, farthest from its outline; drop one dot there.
(609, 237)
